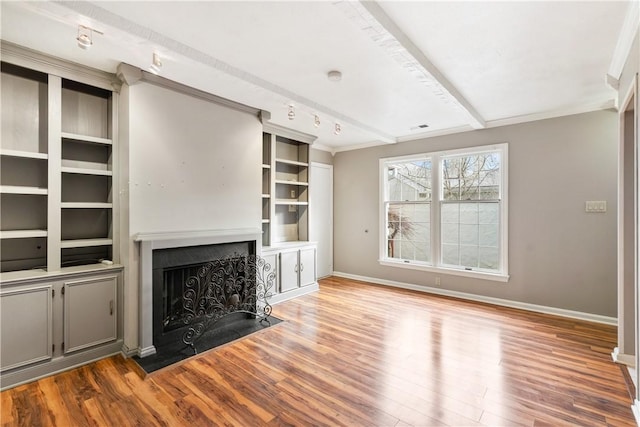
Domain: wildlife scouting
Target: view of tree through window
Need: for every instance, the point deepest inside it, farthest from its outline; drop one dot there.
(408, 210)
(469, 212)
(465, 189)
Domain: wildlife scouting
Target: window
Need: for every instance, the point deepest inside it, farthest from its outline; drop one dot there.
(446, 211)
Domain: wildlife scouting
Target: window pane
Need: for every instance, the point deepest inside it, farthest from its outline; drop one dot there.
(472, 241)
(409, 181)
(409, 231)
(475, 177)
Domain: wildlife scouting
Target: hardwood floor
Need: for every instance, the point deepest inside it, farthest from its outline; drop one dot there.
(355, 354)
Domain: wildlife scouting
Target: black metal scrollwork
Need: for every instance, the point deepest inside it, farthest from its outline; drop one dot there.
(234, 284)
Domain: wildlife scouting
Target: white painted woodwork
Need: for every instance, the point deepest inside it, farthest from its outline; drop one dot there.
(23, 154)
(84, 171)
(307, 266)
(26, 326)
(86, 205)
(289, 267)
(85, 243)
(86, 138)
(19, 189)
(90, 312)
(22, 234)
(54, 216)
(321, 216)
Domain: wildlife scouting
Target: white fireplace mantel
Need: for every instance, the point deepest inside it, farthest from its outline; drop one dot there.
(148, 242)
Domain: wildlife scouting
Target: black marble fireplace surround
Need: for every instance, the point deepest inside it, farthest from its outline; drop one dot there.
(204, 296)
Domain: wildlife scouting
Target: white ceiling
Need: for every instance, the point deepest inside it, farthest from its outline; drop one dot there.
(451, 65)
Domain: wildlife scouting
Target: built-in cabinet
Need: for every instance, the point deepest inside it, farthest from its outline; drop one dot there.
(60, 282)
(285, 210)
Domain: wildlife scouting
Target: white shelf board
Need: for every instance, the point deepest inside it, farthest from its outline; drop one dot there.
(86, 138)
(291, 162)
(86, 205)
(266, 221)
(84, 171)
(266, 196)
(285, 182)
(19, 189)
(290, 202)
(85, 243)
(23, 154)
(22, 234)
(264, 166)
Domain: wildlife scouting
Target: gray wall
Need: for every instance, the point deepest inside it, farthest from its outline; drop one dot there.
(321, 156)
(191, 165)
(559, 256)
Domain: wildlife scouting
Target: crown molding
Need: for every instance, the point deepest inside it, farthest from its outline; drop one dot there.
(625, 40)
(288, 133)
(32, 59)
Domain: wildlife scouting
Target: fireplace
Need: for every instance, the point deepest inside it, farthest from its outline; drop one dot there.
(194, 286)
(179, 265)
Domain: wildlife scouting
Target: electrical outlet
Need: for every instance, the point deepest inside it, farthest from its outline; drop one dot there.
(595, 206)
(437, 281)
(292, 208)
(293, 194)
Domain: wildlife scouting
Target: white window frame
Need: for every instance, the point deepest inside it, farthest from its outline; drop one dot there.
(435, 265)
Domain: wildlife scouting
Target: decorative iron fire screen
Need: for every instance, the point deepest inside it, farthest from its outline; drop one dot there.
(233, 284)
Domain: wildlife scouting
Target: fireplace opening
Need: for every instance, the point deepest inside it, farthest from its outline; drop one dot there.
(195, 286)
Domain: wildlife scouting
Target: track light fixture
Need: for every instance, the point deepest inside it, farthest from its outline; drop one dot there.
(337, 129)
(316, 120)
(292, 112)
(85, 37)
(156, 64)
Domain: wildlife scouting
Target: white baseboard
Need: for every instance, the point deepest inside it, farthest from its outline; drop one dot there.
(285, 296)
(625, 359)
(597, 318)
(635, 408)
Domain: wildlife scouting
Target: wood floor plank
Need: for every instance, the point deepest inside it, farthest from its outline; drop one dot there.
(356, 354)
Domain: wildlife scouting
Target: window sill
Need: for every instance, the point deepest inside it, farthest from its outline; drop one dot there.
(497, 277)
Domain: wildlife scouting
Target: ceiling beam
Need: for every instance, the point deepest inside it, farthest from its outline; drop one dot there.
(422, 63)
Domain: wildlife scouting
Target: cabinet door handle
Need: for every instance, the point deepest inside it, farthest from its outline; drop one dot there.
(295, 268)
(301, 267)
(111, 307)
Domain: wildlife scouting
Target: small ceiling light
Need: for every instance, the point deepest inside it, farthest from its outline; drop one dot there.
(292, 112)
(156, 64)
(85, 37)
(334, 76)
(316, 120)
(337, 129)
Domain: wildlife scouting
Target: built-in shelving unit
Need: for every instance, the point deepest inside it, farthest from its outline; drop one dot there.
(57, 171)
(285, 187)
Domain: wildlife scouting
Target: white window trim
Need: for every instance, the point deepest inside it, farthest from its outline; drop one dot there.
(436, 157)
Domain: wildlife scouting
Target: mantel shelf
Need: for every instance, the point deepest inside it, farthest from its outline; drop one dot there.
(86, 138)
(23, 154)
(292, 162)
(19, 189)
(22, 234)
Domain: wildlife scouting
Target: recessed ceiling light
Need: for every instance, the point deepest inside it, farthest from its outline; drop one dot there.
(334, 76)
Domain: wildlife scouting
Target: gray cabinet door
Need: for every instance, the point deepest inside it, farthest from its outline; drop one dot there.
(307, 266)
(26, 326)
(90, 312)
(288, 270)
